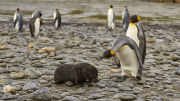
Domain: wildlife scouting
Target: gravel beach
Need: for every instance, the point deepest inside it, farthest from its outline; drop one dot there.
(30, 69)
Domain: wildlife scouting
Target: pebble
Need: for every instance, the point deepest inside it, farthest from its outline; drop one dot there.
(41, 94)
(31, 72)
(32, 85)
(17, 75)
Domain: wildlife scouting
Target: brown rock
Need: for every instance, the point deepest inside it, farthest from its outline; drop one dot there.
(114, 71)
(47, 50)
(30, 45)
(9, 89)
(4, 33)
(2, 47)
(151, 40)
(17, 75)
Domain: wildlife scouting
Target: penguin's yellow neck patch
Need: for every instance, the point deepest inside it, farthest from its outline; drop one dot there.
(112, 52)
(138, 18)
(132, 23)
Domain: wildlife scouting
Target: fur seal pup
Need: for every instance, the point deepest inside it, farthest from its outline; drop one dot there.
(77, 74)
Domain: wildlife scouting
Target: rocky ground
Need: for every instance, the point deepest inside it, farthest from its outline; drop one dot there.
(30, 71)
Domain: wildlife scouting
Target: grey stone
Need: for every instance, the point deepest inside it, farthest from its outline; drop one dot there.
(125, 96)
(32, 85)
(63, 61)
(177, 72)
(176, 85)
(32, 72)
(56, 96)
(93, 41)
(41, 94)
(69, 83)
(38, 65)
(70, 98)
(137, 89)
(6, 96)
(3, 64)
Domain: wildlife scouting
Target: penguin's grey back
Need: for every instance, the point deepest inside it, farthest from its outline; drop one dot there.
(20, 19)
(126, 17)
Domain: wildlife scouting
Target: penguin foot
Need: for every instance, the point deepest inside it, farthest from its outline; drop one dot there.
(123, 78)
(133, 78)
(110, 29)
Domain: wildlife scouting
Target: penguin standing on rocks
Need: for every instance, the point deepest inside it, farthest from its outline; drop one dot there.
(34, 26)
(128, 54)
(37, 14)
(111, 18)
(135, 31)
(125, 17)
(18, 20)
(57, 19)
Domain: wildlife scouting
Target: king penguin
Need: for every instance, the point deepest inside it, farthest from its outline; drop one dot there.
(57, 19)
(135, 31)
(34, 26)
(18, 20)
(125, 17)
(111, 18)
(127, 52)
(37, 14)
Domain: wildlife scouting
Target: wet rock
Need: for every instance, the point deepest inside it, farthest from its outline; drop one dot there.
(22, 83)
(38, 65)
(5, 33)
(93, 41)
(56, 96)
(70, 98)
(63, 61)
(150, 75)
(177, 72)
(17, 75)
(176, 85)
(32, 85)
(6, 96)
(95, 96)
(31, 72)
(24, 98)
(137, 89)
(125, 96)
(43, 81)
(3, 64)
(77, 92)
(32, 57)
(175, 64)
(59, 57)
(41, 94)
(52, 54)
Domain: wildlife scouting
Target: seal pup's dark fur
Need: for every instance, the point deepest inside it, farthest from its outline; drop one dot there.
(78, 73)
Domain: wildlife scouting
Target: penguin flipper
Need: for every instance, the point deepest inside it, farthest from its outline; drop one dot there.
(117, 62)
(15, 22)
(120, 41)
(32, 27)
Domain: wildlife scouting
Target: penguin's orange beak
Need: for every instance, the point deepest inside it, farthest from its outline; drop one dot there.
(102, 58)
(129, 20)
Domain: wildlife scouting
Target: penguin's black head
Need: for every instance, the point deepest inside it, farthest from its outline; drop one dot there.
(111, 6)
(56, 9)
(107, 54)
(134, 19)
(17, 9)
(40, 14)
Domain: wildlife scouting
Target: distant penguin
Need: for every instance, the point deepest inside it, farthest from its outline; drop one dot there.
(37, 14)
(34, 26)
(111, 18)
(57, 19)
(125, 17)
(128, 54)
(135, 31)
(18, 20)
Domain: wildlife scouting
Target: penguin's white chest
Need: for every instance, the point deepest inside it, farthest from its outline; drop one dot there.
(37, 25)
(128, 60)
(17, 26)
(56, 23)
(132, 32)
(110, 18)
